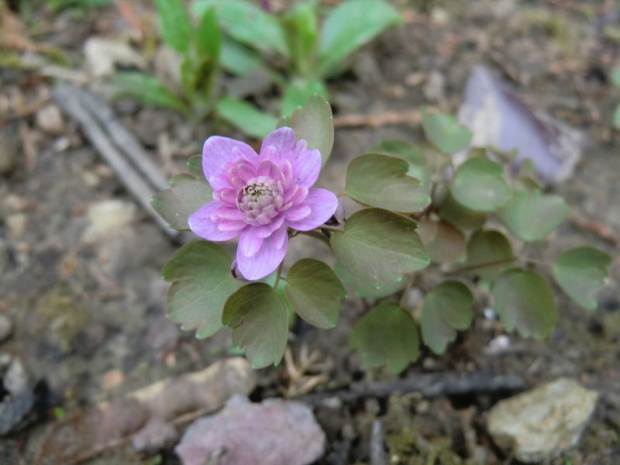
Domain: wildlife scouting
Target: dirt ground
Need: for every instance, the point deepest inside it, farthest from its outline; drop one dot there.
(88, 312)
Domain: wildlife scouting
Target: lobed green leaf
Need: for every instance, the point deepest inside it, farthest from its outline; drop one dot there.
(581, 272)
(379, 246)
(315, 124)
(386, 335)
(201, 283)
(532, 216)
(490, 248)
(349, 26)
(460, 216)
(411, 153)
(444, 132)
(314, 291)
(448, 307)
(382, 181)
(298, 91)
(479, 184)
(258, 317)
(186, 195)
(524, 301)
(365, 288)
(444, 242)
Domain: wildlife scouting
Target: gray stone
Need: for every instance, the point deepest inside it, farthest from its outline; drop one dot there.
(8, 153)
(539, 424)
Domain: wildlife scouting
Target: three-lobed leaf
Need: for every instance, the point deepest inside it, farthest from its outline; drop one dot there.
(379, 246)
(412, 154)
(460, 216)
(258, 317)
(314, 292)
(382, 181)
(479, 185)
(489, 252)
(446, 309)
(365, 288)
(524, 301)
(186, 195)
(313, 123)
(349, 26)
(581, 272)
(444, 132)
(386, 335)
(201, 283)
(532, 216)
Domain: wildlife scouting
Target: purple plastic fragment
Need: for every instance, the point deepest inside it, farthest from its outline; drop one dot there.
(498, 118)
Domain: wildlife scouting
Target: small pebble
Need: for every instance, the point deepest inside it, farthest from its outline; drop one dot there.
(49, 119)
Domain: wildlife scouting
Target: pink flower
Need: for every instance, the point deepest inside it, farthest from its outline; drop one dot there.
(257, 197)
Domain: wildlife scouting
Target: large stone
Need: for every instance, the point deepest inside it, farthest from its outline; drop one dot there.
(539, 424)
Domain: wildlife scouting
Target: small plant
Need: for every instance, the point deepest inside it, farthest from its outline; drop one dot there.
(615, 79)
(423, 223)
(239, 37)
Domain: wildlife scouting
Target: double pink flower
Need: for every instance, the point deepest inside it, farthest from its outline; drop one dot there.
(258, 196)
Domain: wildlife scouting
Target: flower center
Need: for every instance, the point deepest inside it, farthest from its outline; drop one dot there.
(260, 200)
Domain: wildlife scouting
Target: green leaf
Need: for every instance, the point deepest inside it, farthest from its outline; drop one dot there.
(258, 317)
(444, 132)
(581, 272)
(194, 166)
(412, 154)
(315, 124)
(379, 246)
(446, 309)
(382, 181)
(386, 335)
(490, 247)
(246, 23)
(208, 37)
(300, 27)
(201, 283)
(186, 195)
(176, 25)
(147, 89)
(238, 59)
(524, 300)
(478, 184)
(368, 289)
(349, 26)
(315, 293)
(444, 242)
(460, 216)
(245, 116)
(298, 91)
(531, 216)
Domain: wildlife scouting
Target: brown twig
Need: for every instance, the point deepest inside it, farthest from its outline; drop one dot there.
(381, 119)
(604, 231)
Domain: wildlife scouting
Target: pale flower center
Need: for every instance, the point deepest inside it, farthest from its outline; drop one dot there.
(260, 200)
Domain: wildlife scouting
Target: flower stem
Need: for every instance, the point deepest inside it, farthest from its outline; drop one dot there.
(278, 276)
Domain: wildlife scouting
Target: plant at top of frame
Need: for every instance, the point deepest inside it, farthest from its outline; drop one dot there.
(295, 42)
(456, 233)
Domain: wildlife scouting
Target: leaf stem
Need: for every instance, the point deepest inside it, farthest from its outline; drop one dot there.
(316, 235)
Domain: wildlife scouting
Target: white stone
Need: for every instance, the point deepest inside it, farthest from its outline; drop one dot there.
(49, 119)
(102, 56)
(539, 424)
(107, 219)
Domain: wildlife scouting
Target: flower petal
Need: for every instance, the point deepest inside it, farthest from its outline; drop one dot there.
(267, 259)
(306, 164)
(283, 139)
(204, 224)
(323, 204)
(218, 150)
(298, 213)
(249, 242)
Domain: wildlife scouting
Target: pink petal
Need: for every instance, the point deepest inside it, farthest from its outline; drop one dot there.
(282, 139)
(269, 169)
(204, 224)
(229, 213)
(306, 164)
(218, 150)
(295, 195)
(249, 243)
(323, 204)
(267, 259)
(298, 213)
